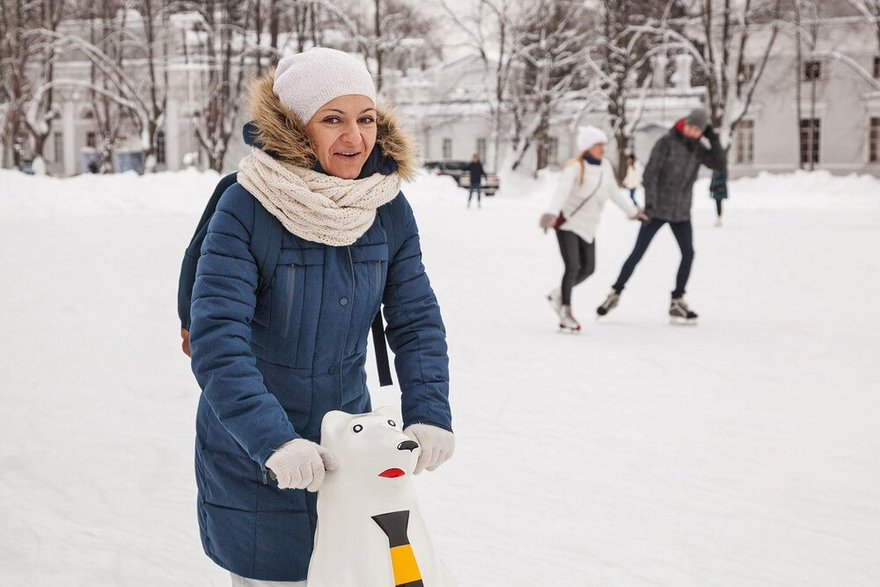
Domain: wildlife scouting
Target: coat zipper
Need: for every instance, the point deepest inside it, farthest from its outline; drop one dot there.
(291, 285)
(379, 279)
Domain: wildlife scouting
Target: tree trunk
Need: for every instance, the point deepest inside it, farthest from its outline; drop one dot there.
(799, 62)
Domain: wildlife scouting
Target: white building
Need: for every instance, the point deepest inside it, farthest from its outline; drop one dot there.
(444, 107)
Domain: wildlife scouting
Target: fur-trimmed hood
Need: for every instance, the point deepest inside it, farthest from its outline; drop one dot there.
(279, 132)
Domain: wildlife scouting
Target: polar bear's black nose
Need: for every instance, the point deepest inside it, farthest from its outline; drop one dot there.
(408, 445)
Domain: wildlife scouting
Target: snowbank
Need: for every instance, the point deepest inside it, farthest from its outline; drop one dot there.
(185, 192)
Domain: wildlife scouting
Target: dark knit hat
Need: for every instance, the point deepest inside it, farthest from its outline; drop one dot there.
(698, 118)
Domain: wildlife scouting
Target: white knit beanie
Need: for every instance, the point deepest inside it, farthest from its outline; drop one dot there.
(589, 136)
(306, 81)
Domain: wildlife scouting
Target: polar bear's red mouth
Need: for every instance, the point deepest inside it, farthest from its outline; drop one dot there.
(392, 473)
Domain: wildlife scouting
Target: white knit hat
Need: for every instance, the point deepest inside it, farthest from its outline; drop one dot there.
(306, 81)
(589, 136)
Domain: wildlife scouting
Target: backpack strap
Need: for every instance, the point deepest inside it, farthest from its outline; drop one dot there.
(193, 252)
(382, 363)
(265, 245)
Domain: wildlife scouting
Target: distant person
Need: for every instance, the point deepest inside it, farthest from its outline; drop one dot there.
(718, 191)
(633, 178)
(587, 182)
(669, 182)
(475, 168)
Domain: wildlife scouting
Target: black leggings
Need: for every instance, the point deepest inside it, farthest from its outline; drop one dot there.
(684, 235)
(579, 257)
(718, 207)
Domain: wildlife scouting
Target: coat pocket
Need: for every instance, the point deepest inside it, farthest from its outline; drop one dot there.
(370, 263)
(295, 306)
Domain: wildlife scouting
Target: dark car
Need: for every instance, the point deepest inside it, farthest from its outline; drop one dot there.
(458, 170)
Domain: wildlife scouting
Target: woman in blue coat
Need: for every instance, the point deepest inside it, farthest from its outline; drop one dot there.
(272, 364)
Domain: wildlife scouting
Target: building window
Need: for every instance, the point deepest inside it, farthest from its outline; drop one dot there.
(58, 147)
(481, 148)
(812, 70)
(810, 128)
(160, 147)
(877, 68)
(745, 141)
(91, 140)
(447, 148)
(874, 141)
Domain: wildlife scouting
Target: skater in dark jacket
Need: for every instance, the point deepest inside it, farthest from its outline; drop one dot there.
(271, 363)
(668, 181)
(475, 169)
(718, 191)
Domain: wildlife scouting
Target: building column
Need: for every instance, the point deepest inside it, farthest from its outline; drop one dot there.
(68, 125)
(173, 155)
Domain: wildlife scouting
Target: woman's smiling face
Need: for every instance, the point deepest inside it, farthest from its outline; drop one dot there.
(343, 133)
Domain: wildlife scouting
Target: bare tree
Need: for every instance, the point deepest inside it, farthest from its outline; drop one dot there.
(153, 45)
(550, 54)
(223, 40)
(385, 33)
(306, 19)
(798, 76)
(811, 70)
(619, 59)
(106, 112)
(37, 67)
(870, 9)
(717, 35)
(491, 30)
(15, 55)
(140, 31)
(731, 76)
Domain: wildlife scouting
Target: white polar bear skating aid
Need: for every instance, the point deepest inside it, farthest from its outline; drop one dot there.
(370, 532)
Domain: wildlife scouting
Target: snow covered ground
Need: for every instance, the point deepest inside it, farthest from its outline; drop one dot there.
(743, 452)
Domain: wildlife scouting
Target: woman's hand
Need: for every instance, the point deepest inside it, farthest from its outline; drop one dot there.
(300, 464)
(436, 445)
(184, 334)
(547, 221)
(640, 215)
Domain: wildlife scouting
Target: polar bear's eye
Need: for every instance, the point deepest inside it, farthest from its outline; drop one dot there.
(357, 428)
(391, 423)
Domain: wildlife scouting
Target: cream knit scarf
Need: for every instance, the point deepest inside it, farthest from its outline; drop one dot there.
(314, 206)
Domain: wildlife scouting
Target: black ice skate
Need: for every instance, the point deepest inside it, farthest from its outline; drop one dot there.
(609, 304)
(679, 313)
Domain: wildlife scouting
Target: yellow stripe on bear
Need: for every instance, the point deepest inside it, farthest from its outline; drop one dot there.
(403, 562)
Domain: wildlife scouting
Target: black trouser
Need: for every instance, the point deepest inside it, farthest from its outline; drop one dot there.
(718, 207)
(475, 188)
(684, 235)
(579, 257)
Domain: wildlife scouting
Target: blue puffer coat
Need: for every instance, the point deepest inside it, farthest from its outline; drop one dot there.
(271, 366)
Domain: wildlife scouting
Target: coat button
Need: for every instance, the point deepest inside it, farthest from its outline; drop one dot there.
(343, 301)
(332, 370)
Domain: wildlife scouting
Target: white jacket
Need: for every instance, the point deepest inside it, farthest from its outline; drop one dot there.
(570, 194)
(633, 178)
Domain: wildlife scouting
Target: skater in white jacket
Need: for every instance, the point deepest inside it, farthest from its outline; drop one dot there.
(587, 182)
(633, 178)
